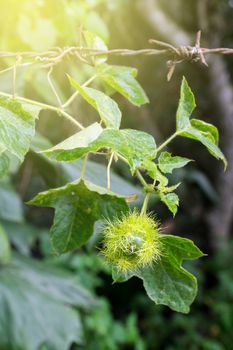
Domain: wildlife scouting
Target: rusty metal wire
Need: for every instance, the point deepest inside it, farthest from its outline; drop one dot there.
(178, 55)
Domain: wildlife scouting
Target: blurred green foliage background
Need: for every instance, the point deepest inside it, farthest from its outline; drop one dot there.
(119, 316)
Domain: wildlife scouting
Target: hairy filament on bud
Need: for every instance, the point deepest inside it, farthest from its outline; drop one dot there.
(132, 241)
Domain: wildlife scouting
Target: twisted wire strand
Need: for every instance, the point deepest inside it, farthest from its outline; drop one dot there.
(178, 55)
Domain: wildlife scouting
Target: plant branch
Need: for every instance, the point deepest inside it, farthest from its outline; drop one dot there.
(109, 171)
(145, 204)
(138, 174)
(58, 110)
(165, 143)
(53, 87)
(141, 178)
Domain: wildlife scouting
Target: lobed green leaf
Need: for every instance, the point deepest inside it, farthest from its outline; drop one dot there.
(167, 163)
(208, 129)
(75, 146)
(78, 206)
(171, 200)
(152, 170)
(94, 173)
(166, 281)
(133, 145)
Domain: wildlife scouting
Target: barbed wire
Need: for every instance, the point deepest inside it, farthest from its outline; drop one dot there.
(49, 59)
(52, 57)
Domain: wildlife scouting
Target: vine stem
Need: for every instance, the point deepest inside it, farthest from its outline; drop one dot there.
(165, 143)
(46, 106)
(145, 204)
(109, 172)
(53, 87)
(15, 66)
(12, 67)
(141, 178)
(139, 175)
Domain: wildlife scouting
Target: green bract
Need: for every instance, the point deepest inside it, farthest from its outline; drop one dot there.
(132, 241)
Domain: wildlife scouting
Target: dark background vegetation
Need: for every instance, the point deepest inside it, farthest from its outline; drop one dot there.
(126, 318)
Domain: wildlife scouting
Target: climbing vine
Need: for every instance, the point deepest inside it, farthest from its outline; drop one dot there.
(132, 240)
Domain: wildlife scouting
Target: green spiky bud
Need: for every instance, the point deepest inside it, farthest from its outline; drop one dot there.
(132, 241)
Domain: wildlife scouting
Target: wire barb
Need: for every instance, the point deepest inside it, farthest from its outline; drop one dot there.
(180, 54)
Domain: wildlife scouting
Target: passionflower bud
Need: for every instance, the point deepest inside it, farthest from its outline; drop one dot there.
(132, 241)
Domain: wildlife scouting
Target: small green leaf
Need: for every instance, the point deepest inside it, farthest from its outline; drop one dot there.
(207, 140)
(17, 126)
(122, 79)
(164, 192)
(107, 108)
(78, 206)
(167, 163)
(150, 167)
(5, 250)
(171, 200)
(196, 129)
(166, 281)
(95, 42)
(133, 145)
(186, 106)
(208, 129)
(152, 170)
(168, 189)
